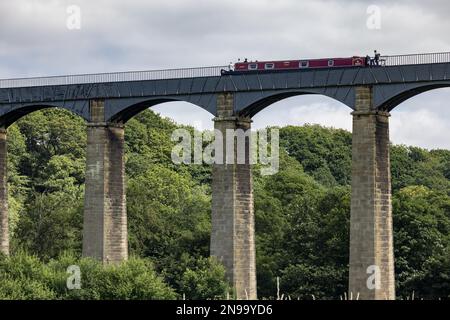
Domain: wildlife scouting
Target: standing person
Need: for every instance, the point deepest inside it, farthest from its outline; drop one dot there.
(367, 60)
(377, 57)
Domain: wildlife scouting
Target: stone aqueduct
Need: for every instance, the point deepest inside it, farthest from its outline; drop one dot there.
(107, 101)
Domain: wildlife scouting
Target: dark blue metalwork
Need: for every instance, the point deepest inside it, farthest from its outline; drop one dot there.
(392, 84)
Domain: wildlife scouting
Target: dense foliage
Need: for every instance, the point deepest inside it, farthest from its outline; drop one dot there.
(302, 216)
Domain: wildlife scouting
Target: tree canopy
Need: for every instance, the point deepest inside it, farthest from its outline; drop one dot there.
(302, 216)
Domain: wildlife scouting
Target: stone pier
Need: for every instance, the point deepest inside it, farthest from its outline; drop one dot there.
(105, 234)
(4, 217)
(371, 235)
(233, 226)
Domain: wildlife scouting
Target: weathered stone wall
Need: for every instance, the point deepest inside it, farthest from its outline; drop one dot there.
(371, 239)
(4, 217)
(105, 234)
(233, 227)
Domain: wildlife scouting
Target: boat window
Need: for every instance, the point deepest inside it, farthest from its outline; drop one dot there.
(252, 66)
(269, 66)
(330, 62)
(304, 64)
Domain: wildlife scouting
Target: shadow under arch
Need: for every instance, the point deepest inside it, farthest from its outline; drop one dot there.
(396, 100)
(259, 105)
(128, 109)
(9, 117)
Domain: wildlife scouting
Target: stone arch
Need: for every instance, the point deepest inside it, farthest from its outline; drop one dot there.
(418, 118)
(9, 114)
(105, 175)
(122, 110)
(393, 100)
(14, 113)
(259, 101)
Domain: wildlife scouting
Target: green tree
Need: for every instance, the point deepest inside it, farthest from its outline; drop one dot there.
(422, 239)
(52, 224)
(206, 280)
(168, 214)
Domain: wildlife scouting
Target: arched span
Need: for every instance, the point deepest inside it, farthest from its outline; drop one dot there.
(256, 104)
(122, 110)
(391, 103)
(11, 114)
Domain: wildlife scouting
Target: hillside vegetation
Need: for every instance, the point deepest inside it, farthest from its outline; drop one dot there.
(302, 216)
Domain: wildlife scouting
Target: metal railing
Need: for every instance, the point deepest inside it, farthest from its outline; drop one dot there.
(395, 60)
(113, 77)
(422, 58)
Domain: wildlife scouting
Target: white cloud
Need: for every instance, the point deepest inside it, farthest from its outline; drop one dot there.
(305, 109)
(186, 113)
(423, 120)
(422, 128)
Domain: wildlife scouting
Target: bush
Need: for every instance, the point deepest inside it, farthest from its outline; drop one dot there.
(303, 281)
(26, 289)
(24, 277)
(205, 281)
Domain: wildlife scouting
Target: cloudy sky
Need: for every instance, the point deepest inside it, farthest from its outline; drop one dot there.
(118, 35)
